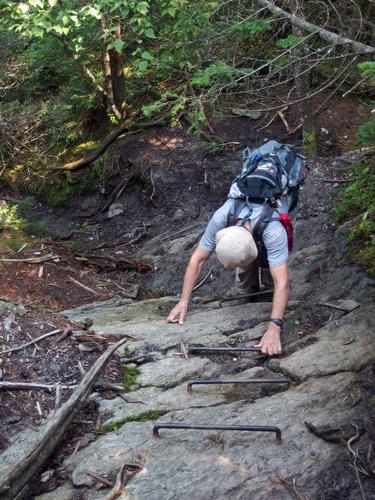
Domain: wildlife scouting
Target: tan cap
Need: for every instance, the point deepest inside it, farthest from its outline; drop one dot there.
(235, 247)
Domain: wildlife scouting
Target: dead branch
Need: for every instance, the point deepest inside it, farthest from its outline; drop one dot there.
(138, 265)
(101, 479)
(34, 260)
(30, 343)
(78, 283)
(29, 386)
(127, 126)
(324, 34)
(204, 279)
(17, 476)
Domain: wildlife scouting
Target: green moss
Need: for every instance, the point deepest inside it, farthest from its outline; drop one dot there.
(361, 244)
(142, 417)
(359, 196)
(309, 142)
(213, 148)
(129, 374)
(359, 199)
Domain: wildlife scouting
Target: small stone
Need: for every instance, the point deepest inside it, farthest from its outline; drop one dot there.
(46, 476)
(88, 346)
(115, 209)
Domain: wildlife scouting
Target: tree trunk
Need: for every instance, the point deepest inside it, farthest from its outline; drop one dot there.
(117, 72)
(301, 82)
(112, 103)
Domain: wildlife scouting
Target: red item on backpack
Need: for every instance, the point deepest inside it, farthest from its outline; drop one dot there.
(286, 221)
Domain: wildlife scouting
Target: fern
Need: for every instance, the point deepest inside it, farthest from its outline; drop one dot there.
(249, 30)
(217, 72)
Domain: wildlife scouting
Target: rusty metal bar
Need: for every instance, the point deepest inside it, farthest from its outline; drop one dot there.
(281, 380)
(219, 427)
(223, 349)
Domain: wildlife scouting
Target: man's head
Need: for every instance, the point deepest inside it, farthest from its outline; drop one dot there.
(235, 247)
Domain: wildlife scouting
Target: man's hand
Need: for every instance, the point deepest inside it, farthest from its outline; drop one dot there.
(178, 313)
(270, 343)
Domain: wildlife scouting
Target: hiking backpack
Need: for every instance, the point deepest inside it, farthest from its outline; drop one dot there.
(271, 172)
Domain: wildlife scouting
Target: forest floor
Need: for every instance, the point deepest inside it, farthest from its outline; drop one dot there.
(169, 182)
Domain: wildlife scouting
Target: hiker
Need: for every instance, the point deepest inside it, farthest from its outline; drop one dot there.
(252, 233)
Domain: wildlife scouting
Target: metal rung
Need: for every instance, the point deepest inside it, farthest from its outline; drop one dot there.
(223, 349)
(282, 380)
(214, 427)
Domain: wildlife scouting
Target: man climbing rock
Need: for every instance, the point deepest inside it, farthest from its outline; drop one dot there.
(235, 248)
(252, 233)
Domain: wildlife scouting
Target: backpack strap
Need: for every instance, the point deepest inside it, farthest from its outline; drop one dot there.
(237, 206)
(264, 218)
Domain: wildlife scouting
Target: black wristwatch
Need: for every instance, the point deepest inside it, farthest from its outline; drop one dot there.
(277, 321)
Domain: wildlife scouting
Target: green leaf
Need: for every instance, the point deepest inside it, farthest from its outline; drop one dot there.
(289, 41)
(146, 55)
(171, 11)
(143, 65)
(94, 13)
(150, 33)
(143, 7)
(36, 3)
(23, 7)
(117, 45)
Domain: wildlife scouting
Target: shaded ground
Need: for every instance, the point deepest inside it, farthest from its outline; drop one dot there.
(169, 185)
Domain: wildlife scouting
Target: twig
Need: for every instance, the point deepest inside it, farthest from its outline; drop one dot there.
(116, 491)
(336, 180)
(292, 484)
(75, 450)
(183, 351)
(354, 454)
(334, 306)
(81, 369)
(356, 85)
(204, 279)
(83, 286)
(39, 409)
(31, 342)
(153, 185)
(103, 480)
(58, 397)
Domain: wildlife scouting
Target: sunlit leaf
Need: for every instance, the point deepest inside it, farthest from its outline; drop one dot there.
(150, 33)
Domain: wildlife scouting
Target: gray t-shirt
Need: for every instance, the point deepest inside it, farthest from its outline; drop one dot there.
(274, 235)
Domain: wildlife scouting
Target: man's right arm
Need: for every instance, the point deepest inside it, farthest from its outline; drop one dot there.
(199, 257)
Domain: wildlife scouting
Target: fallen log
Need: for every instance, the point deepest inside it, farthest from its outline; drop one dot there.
(35, 260)
(18, 476)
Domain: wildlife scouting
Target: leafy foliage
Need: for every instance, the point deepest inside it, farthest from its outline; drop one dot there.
(72, 70)
(250, 29)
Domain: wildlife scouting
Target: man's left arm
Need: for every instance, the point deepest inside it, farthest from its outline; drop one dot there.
(271, 343)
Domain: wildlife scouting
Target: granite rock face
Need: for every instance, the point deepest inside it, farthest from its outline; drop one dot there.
(328, 389)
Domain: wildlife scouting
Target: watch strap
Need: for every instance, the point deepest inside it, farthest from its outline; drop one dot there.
(277, 321)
